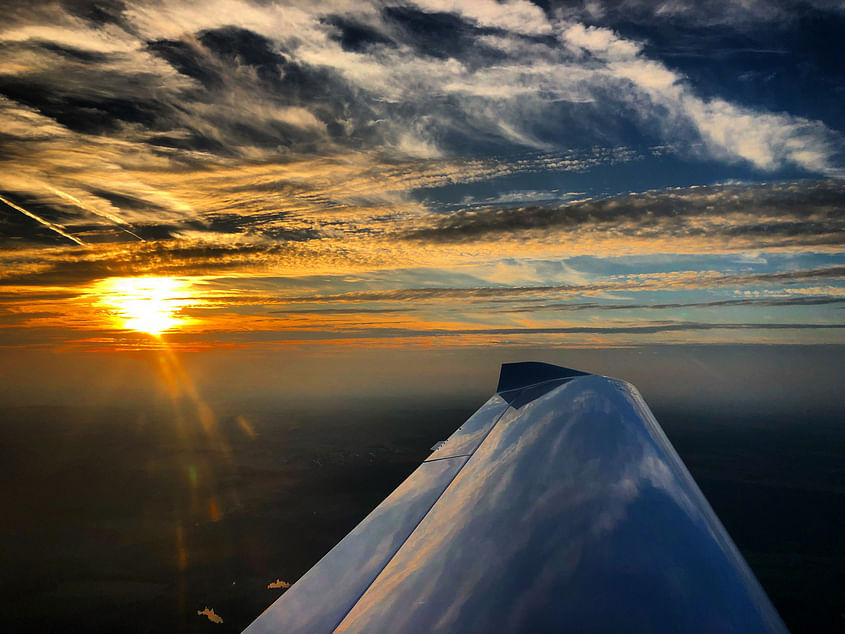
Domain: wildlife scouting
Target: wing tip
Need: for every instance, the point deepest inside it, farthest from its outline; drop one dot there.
(514, 376)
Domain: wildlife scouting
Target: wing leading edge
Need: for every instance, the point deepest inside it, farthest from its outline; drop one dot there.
(559, 505)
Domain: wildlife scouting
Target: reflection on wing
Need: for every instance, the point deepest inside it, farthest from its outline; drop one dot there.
(558, 506)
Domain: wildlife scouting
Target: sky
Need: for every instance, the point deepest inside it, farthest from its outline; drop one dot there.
(437, 175)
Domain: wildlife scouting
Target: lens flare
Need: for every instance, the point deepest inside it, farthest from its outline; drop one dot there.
(147, 304)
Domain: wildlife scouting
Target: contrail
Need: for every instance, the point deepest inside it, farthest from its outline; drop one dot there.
(50, 225)
(115, 219)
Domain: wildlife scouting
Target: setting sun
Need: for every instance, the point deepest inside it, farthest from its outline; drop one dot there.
(146, 304)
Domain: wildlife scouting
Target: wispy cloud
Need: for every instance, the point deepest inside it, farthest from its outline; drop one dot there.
(724, 13)
(675, 280)
(769, 215)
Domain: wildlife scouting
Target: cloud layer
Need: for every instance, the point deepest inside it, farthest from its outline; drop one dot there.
(392, 151)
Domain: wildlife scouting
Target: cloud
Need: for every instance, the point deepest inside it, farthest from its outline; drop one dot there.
(747, 14)
(677, 280)
(768, 215)
(212, 616)
(278, 584)
(542, 306)
(727, 130)
(629, 329)
(177, 257)
(247, 310)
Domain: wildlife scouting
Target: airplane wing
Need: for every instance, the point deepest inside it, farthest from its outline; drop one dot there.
(559, 505)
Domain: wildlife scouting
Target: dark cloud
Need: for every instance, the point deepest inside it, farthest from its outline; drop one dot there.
(234, 63)
(126, 201)
(384, 332)
(809, 211)
(15, 227)
(510, 305)
(245, 48)
(149, 231)
(59, 52)
(98, 12)
(325, 94)
(828, 272)
(268, 225)
(739, 16)
(36, 296)
(18, 317)
(356, 36)
(771, 302)
(339, 311)
(121, 95)
(193, 141)
(284, 234)
(626, 329)
(17, 230)
(87, 110)
(188, 59)
(164, 257)
(442, 35)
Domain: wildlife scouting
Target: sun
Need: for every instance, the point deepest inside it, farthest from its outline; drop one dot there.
(146, 304)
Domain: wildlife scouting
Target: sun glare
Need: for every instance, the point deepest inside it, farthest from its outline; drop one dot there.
(146, 304)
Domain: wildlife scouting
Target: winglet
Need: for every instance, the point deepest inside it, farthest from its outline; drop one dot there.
(514, 376)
